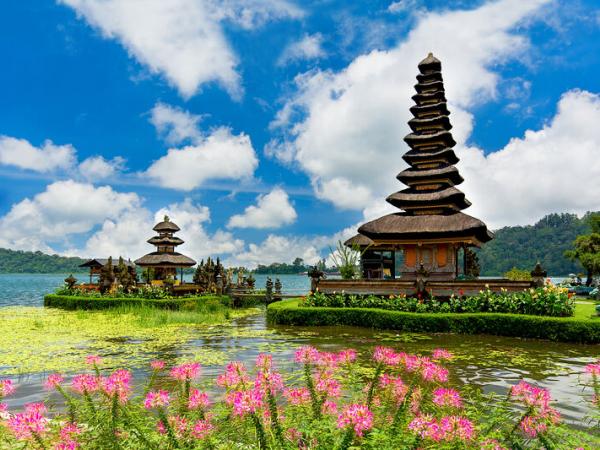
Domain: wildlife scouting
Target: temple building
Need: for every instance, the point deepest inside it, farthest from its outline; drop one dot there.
(97, 264)
(430, 230)
(164, 262)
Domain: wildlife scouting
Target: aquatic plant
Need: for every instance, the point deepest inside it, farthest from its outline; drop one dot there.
(404, 401)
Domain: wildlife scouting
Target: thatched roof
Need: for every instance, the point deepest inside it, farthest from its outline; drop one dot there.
(445, 136)
(358, 240)
(418, 123)
(430, 63)
(440, 108)
(165, 240)
(404, 226)
(101, 262)
(165, 259)
(420, 156)
(166, 226)
(411, 175)
(409, 198)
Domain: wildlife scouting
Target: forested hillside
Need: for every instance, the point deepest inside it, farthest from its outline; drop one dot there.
(16, 261)
(523, 246)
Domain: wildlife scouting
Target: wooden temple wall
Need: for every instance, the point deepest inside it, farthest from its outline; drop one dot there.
(436, 288)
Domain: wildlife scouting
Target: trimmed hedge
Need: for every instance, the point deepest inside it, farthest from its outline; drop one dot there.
(288, 312)
(72, 302)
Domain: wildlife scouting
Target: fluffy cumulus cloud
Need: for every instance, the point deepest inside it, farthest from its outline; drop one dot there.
(555, 168)
(272, 210)
(181, 39)
(49, 157)
(64, 208)
(174, 124)
(219, 154)
(278, 249)
(97, 168)
(125, 234)
(345, 129)
(309, 47)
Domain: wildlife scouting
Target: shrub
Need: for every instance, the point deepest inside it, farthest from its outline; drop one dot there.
(401, 401)
(289, 312)
(515, 274)
(71, 302)
(549, 300)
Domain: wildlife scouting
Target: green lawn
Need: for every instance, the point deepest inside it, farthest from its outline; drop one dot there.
(585, 310)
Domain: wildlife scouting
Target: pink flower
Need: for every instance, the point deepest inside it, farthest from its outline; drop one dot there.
(6, 388)
(202, 429)
(118, 383)
(329, 407)
(235, 376)
(385, 355)
(455, 427)
(531, 395)
(394, 386)
(306, 355)
(245, 402)
(593, 369)
(53, 381)
(156, 399)
(491, 444)
(326, 384)
(67, 445)
(327, 359)
(84, 383)
(28, 423)
(346, 356)
(93, 360)
(198, 400)
(266, 378)
(440, 353)
(532, 426)
(359, 417)
(157, 365)
(186, 372)
(447, 397)
(69, 430)
(3, 408)
(300, 396)
(431, 371)
(425, 426)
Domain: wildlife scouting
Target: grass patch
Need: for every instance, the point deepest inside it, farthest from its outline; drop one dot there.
(581, 328)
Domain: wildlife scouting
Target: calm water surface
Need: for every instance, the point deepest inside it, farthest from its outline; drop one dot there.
(493, 363)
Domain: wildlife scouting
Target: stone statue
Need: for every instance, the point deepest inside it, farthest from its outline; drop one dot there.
(422, 275)
(315, 274)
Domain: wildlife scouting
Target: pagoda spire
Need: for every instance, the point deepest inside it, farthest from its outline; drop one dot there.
(432, 176)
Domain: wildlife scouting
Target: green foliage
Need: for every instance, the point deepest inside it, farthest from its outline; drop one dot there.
(17, 261)
(523, 246)
(515, 274)
(587, 248)
(282, 268)
(545, 301)
(72, 302)
(346, 259)
(587, 331)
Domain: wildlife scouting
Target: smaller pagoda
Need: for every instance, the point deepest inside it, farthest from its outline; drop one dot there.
(165, 261)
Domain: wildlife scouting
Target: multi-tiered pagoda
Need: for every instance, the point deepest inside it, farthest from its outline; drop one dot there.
(430, 230)
(165, 261)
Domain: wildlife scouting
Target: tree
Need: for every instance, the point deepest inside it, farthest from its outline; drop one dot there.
(298, 262)
(587, 249)
(347, 259)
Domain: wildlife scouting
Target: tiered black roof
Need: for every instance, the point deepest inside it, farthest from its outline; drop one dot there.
(431, 204)
(165, 254)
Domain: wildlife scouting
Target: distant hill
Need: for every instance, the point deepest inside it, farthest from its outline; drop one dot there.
(16, 261)
(523, 246)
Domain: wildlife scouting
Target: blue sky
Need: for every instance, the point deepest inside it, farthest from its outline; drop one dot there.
(269, 129)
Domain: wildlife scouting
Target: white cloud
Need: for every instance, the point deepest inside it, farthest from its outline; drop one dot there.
(272, 210)
(175, 124)
(126, 235)
(345, 129)
(309, 47)
(403, 5)
(63, 209)
(554, 169)
(277, 249)
(49, 157)
(181, 39)
(220, 155)
(97, 168)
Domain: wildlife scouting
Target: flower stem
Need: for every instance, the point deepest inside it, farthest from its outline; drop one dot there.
(348, 438)
(275, 417)
(260, 432)
(374, 384)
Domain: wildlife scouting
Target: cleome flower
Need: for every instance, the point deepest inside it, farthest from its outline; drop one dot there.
(245, 402)
(186, 372)
(85, 383)
(158, 365)
(235, 376)
(30, 423)
(593, 369)
(306, 355)
(358, 417)
(53, 381)
(447, 397)
(6, 388)
(198, 400)
(156, 399)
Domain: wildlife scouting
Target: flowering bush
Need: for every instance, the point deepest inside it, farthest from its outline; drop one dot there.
(402, 401)
(549, 300)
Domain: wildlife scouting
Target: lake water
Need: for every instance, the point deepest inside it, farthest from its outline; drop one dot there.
(29, 289)
(491, 362)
